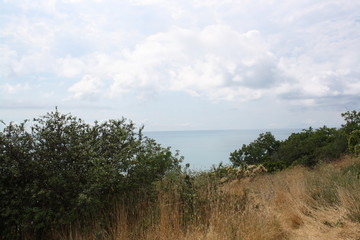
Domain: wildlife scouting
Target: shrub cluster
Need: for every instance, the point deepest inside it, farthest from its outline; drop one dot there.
(307, 147)
(60, 170)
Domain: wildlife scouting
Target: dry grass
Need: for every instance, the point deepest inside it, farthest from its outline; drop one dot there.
(294, 204)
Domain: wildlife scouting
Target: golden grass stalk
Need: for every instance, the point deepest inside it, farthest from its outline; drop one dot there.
(294, 204)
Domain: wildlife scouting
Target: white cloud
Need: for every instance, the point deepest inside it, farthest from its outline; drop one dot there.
(72, 1)
(353, 88)
(34, 63)
(87, 88)
(301, 50)
(216, 62)
(175, 8)
(70, 67)
(7, 59)
(13, 88)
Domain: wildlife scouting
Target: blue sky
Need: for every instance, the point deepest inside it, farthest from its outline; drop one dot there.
(182, 64)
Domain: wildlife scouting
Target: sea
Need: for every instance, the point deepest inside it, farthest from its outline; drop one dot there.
(205, 149)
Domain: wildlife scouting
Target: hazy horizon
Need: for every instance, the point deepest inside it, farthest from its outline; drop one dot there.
(205, 148)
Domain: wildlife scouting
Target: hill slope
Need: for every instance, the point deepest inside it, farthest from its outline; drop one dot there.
(295, 204)
(298, 203)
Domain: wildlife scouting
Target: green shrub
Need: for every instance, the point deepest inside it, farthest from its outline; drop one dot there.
(307, 148)
(354, 142)
(352, 122)
(256, 152)
(311, 146)
(351, 129)
(61, 170)
(274, 166)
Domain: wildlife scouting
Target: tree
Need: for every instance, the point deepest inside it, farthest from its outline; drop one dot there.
(61, 170)
(354, 142)
(351, 130)
(352, 121)
(258, 151)
(310, 146)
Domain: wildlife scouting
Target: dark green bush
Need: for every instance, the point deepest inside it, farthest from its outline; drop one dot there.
(354, 142)
(351, 130)
(274, 166)
(311, 146)
(60, 170)
(308, 147)
(352, 122)
(256, 152)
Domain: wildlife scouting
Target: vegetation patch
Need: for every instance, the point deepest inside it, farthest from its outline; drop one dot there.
(61, 178)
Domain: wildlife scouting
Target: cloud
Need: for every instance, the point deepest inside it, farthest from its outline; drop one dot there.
(175, 8)
(13, 88)
(326, 71)
(301, 53)
(216, 62)
(87, 88)
(28, 5)
(6, 61)
(70, 67)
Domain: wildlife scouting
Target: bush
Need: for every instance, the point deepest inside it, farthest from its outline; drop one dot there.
(351, 129)
(352, 122)
(307, 148)
(256, 152)
(61, 170)
(311, 146)
(274, 166)
(354, 142)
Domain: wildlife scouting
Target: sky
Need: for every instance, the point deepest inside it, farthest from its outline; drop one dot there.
(182, 64)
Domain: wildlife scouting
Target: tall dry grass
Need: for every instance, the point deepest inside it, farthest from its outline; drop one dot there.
(298, 203)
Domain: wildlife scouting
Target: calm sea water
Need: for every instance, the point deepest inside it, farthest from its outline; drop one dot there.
(203, 149)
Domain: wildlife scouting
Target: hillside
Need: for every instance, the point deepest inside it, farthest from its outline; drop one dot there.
(297, 203)
(66, 179)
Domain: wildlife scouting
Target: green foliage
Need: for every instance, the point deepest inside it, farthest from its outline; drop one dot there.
(311, 146)
(352, 122)
(274, 166)
(222, 171)
(60, 170)
(354, 142)
(256, 152)
(351, 130)
(308, 147)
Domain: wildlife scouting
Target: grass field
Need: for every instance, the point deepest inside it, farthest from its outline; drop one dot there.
(298, 203)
